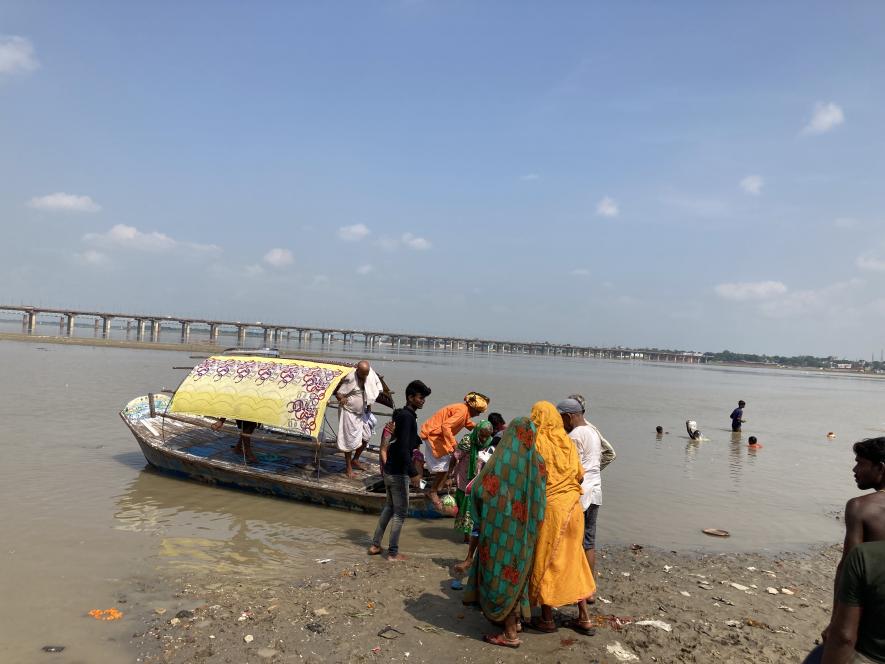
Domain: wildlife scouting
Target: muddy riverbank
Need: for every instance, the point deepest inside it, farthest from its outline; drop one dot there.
(705, 607)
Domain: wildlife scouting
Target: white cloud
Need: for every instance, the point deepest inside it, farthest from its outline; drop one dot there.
(870, 262)
(364, 269)
(529, 177)
(61, 201)
(92, 257)
(751, 290)
(580, 272)
(353, 233)
(17, 55)
(845, 222)
(416, 243)
(279, 257)
(607, 207)
(828, 301)
(752, 184)
(320, 280)
(824, 118)
(128, 237)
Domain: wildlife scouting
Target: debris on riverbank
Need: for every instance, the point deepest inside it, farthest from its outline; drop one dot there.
(653, 606)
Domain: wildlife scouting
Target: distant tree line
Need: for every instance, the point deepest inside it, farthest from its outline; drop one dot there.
(794, 361)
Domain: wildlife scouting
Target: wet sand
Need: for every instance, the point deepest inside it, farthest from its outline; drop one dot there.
(339, 613)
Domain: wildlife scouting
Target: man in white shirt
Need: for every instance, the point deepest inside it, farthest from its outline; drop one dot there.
(589, 444)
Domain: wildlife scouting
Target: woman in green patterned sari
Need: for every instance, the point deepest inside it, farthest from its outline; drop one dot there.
(465, 465)
(509, 498)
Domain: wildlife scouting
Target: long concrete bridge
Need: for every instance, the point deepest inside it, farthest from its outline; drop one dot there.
(148, 328)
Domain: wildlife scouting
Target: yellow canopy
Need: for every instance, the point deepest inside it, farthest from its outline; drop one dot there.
(285, 393)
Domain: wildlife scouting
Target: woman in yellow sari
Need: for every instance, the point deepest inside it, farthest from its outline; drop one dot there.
(560, 574)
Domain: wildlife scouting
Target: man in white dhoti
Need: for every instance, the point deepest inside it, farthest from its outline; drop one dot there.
(356, 393)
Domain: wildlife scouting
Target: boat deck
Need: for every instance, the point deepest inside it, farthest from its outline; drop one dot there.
(293, 457)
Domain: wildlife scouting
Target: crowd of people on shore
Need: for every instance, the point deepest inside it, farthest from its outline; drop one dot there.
(527, 495)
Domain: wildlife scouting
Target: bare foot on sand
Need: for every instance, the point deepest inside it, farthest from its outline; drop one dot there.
(374, 550)
(357, 465)
(396, 558)
(462, 568)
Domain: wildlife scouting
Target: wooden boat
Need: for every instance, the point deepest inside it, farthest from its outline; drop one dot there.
(297, 454)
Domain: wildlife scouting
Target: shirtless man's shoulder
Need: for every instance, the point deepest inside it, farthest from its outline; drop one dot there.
(865, 515)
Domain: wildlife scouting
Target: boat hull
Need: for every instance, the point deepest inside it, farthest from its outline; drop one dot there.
(207, 458)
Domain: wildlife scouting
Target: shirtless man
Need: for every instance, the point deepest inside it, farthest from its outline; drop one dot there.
(865, 515)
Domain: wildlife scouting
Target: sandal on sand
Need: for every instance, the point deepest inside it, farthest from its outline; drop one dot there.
(585, 628)
(541, 625)
(374, 550)
(501, 640)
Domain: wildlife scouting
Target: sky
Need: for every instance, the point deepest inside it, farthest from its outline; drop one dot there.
(691, 175)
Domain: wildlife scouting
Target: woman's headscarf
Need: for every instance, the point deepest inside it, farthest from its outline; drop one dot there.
(560, 455)
(482, 425)
(509, 499)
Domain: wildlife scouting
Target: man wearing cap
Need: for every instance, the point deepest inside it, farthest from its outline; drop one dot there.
(438, 438)
(589, 445)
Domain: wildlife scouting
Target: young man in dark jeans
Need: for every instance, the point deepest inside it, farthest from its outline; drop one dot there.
(399, 471)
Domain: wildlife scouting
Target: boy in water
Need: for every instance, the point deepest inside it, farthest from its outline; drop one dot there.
(737, 416)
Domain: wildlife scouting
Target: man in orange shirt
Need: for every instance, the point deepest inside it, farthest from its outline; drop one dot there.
(438, 438)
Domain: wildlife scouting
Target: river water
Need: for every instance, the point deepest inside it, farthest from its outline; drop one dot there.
(84, 519)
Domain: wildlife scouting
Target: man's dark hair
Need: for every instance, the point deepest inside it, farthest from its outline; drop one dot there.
(742, 403)
(872, 449)
(752, 440)
(496, 419)
(417, 387)
(659, 429)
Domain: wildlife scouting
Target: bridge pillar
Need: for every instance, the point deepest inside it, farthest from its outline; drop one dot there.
(213, 333)
(155, 331)
(241, 335)
(185, 332)
(267, 333)
(106, 327)
(139, 329)
(69, 324)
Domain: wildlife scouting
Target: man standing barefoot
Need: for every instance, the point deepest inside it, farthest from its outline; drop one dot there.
(438, 435)
(589, 446)
(399, 471)
(356, 393)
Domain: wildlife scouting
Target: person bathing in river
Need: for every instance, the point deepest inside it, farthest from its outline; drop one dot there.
(356, 393)
(737, 416)
(438, 439)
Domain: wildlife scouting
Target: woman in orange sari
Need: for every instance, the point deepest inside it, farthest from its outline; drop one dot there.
(560, 574)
